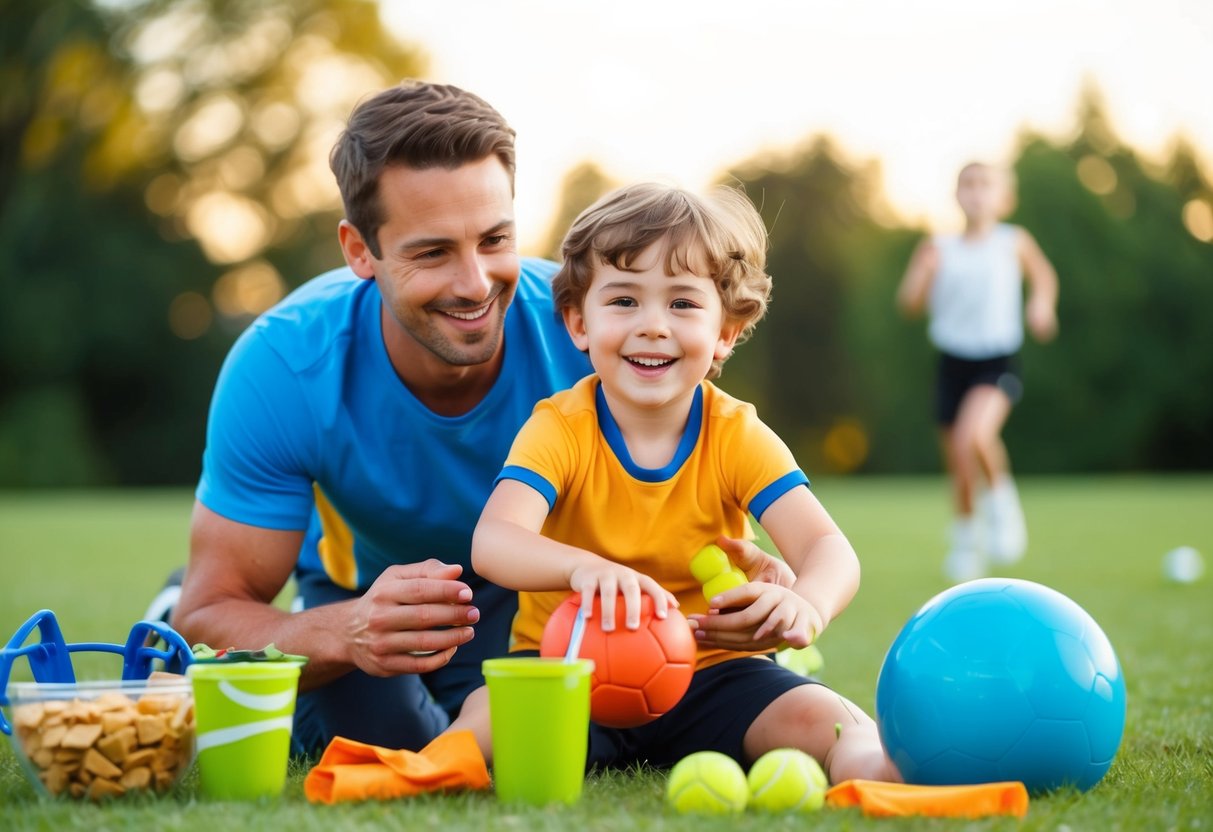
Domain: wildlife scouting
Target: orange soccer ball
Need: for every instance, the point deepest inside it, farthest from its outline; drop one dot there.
(638, 674)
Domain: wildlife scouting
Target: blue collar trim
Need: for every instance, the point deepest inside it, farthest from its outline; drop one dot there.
(614, 438)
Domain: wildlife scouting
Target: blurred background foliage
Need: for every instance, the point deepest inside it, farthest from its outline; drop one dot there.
(163, 179)
(1127, 385)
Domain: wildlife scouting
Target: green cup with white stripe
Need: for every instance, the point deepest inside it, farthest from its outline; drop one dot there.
(243, 712)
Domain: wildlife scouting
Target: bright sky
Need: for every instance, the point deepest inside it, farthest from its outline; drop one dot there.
(679, 90)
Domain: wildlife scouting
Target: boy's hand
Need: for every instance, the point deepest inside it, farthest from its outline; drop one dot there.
(790, 617)
(764, 617)
(602, 577)
(755, 563)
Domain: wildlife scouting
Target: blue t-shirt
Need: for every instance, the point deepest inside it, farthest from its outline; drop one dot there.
(310, 428)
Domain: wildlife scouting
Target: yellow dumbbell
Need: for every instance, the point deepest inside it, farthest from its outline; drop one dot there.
(712, 568)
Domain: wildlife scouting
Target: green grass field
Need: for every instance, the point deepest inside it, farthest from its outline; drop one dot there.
(96, 558)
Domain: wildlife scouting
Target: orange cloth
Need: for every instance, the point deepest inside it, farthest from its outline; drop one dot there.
(898, 799)
(351, 770)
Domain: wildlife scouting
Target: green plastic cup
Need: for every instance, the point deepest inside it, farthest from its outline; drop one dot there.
(540, 711)
(243, 713)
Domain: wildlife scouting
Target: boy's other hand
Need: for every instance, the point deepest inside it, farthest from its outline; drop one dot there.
(761, 616)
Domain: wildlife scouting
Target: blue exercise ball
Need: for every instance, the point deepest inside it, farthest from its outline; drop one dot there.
(1001, 679)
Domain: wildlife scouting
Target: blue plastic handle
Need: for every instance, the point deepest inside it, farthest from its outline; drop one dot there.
(140, 650)
(50, 656)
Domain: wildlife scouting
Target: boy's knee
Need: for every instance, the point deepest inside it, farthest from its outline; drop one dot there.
(858, 754)
(805, 717)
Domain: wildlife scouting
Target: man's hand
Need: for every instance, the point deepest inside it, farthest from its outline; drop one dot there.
(411, 620)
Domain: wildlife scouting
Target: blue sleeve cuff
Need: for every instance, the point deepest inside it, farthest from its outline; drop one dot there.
(290, 512)
(529, 477)
(763, 499)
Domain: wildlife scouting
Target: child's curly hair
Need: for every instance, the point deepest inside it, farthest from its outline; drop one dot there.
(720, 236)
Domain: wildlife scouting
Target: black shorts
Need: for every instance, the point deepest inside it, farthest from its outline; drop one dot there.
(718, 708)
(957, 376)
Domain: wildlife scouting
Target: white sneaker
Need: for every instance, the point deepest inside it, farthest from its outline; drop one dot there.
(1006, 531)
(965, 560)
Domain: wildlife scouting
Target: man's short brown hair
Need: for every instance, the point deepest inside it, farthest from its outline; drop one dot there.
(418, 125)
(720, 236)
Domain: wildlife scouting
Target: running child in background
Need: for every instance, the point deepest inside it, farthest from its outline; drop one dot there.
(972, 285)
(612, 487)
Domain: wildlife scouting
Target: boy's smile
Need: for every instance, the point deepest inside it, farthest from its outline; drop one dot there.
(650, 365)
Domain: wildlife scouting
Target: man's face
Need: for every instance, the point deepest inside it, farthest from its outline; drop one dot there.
(449, 263)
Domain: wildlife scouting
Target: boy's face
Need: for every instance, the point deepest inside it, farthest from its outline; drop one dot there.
(651, 337)
(982, 192)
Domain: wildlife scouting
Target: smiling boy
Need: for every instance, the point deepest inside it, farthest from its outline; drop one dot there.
(611, 487)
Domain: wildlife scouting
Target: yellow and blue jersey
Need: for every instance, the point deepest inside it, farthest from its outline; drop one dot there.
(728, 465)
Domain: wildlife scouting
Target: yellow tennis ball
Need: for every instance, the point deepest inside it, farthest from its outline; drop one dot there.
(787, 780)
(804, 660)
(707, 782)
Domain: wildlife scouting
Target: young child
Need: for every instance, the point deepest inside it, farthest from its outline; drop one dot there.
(972, 284)
(613, 486)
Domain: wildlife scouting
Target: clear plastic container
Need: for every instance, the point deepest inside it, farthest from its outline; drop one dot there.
(99, 740)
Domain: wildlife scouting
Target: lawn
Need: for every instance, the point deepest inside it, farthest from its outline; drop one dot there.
(97, 557)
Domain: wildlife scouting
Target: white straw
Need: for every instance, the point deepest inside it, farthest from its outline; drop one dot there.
(575, 637)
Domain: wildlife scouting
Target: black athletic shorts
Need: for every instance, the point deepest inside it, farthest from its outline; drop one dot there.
(718, 708)
(957, 376)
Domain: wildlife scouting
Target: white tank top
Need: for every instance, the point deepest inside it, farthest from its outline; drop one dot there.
(977, 295)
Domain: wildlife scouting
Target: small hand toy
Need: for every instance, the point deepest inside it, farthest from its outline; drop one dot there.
(712, 568)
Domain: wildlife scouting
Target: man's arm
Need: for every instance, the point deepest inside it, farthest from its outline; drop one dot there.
(235, 571)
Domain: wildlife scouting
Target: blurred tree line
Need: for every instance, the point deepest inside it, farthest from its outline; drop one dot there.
(1128, 383)
(163, 179)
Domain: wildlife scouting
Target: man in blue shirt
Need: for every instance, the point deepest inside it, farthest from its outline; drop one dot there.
(356, 429)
